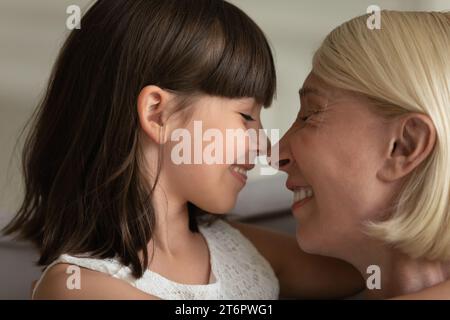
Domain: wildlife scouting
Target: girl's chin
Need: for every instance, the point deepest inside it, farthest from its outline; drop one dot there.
(220, 208)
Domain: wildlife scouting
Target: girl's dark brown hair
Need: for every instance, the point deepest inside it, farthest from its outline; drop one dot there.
(85, 189)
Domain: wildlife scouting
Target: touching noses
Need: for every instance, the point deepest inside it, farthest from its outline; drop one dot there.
(259, 141)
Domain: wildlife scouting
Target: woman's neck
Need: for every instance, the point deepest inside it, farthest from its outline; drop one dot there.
(399, 273)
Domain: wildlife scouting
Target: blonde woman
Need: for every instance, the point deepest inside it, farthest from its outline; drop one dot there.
(368, 156)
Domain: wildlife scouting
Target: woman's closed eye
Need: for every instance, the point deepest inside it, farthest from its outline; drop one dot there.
(306, 117)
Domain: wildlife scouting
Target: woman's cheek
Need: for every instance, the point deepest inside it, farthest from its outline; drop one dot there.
(304, 146)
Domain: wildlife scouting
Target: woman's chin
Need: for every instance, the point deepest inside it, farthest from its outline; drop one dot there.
(307, 242)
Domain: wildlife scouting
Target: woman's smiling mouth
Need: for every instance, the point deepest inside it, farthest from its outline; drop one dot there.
(301, 196)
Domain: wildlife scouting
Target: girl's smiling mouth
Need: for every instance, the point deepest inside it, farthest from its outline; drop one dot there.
(240, 172)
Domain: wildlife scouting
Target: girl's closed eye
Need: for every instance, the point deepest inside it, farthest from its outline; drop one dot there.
(246, 117)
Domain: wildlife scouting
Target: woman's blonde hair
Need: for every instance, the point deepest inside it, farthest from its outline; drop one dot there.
(404, 67)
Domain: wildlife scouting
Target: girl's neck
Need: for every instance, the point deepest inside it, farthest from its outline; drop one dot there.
(171, 232)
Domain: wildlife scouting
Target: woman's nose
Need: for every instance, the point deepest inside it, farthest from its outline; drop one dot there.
(283, 161)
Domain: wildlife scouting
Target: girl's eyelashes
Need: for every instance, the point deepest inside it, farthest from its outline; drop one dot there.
(246, 117)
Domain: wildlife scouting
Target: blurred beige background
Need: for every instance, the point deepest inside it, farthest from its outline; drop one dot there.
(31, 33)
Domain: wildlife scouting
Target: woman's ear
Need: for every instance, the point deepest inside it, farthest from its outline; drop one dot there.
(151, 105)
(413, 137)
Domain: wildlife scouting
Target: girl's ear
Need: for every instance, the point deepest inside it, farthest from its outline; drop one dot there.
(412, 140)
(152, 103)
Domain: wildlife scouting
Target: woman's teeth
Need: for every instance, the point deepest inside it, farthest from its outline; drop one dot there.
(303, 193)
(239, 170)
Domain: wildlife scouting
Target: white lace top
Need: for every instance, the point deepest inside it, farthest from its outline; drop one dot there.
(239, 270)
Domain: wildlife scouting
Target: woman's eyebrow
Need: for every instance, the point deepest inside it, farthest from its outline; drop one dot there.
(307, 90)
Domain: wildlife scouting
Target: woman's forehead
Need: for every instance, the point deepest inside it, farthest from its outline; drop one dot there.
(313, 85)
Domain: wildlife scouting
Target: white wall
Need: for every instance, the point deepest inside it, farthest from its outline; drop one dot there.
(31, 33)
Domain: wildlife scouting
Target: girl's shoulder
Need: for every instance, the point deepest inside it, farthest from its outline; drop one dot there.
(62, 280)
